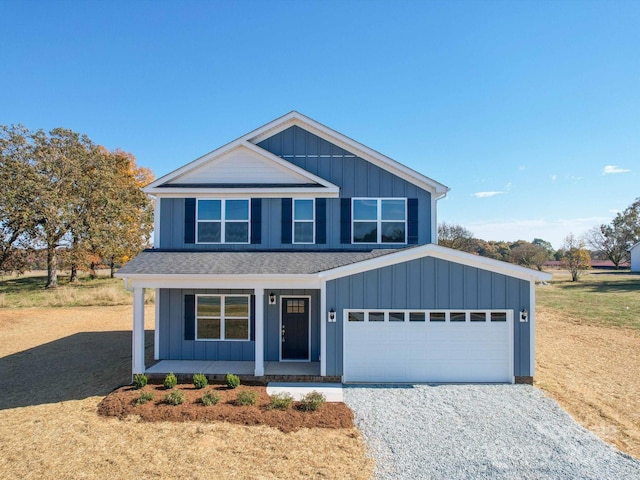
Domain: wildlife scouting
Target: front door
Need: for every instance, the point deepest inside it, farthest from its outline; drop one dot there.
(295, 328)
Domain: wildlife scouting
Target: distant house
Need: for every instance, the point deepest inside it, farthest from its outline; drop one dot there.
(296, 248)
(635, 257)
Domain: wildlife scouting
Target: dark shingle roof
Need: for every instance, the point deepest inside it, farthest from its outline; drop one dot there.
(152, 262)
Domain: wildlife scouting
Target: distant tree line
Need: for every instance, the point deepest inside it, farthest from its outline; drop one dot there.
(572, 255)
(613, 240)
(610, 241)
(63, 194)
(529, 254)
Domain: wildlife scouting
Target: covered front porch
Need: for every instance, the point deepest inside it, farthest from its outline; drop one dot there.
(217, 370)
(262, 357)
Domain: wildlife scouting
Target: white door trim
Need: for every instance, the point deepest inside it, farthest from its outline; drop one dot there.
(282, 298)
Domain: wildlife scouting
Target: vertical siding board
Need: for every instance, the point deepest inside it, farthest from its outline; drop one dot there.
(399, 286)
(428, 282)
(484, 289)
(356, 289)
(414, 284)
(470, 287)
(371, 288)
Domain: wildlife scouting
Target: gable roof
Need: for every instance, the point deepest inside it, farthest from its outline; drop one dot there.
(322, 266)
(162, 185)
(241, 167)
(154, 262)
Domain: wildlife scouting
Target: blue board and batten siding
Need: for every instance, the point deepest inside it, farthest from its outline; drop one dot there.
(428, 283)
(355, 176)
(172, 325)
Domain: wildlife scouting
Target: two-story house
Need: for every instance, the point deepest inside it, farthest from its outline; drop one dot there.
(297, 249)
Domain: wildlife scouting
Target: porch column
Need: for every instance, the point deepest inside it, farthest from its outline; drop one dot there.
(259, 328)
(323, 329)
(156, 329)
(137, 344)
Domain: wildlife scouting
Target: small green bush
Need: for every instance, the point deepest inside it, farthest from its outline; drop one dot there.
(312, 401)
(139, 380)
(175, 397)
(143, 398)
(232, 380)
(247, 397)
(170, 381)
(210, 398)
(281, 401)
(200, 380)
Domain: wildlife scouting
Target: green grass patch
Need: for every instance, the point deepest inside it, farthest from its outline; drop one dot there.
(600, 297)
(28, 291)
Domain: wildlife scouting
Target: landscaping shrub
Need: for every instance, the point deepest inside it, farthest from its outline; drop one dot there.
(233, 381)
(312, 401)
(247, 397)
(175, 397)
(200, 380)
(170, 381)
(139, 380)
(281, 401)
(210, 398)
(143, 398)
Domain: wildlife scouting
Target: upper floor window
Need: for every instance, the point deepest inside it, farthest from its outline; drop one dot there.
(222, 221)
(303, 220)
(379, 220)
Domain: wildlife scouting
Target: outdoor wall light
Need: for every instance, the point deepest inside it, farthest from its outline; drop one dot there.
(332, 315)
(272, 298)
(524, 315)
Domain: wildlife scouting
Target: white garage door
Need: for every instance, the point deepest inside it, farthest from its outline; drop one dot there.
(428, 346)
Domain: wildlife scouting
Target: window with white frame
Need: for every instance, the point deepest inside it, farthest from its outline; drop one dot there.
(222, 221)
(222, 317)
(379, 220)
(427, 316)
(303, 220)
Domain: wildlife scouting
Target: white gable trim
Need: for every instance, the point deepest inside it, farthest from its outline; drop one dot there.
(443, 253)
(322, 131)
(288, 168)
(437, 189)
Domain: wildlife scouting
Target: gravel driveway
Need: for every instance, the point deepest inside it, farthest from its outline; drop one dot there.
(479, 431)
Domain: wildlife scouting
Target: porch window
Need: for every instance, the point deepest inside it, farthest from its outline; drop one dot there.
(303, 220)
(222, 317)
(379, 220)
(222, 221)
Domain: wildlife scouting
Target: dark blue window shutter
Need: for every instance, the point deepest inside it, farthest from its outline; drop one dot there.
(189, 220)
(412, 221)
(256, 220)
(189, 317)
(321, 220)
(345, 220)
(287, 215)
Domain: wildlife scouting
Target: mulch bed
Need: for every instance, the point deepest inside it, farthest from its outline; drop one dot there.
(120, 404)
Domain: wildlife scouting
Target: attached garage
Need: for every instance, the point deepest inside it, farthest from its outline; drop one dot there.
(431, 314)
(428, 346)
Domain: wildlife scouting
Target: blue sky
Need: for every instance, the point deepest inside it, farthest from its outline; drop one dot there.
(528, 111)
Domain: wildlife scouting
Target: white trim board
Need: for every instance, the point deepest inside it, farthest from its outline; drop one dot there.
(249, 140)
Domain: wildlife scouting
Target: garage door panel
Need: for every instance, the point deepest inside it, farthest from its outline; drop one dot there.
(428, 351)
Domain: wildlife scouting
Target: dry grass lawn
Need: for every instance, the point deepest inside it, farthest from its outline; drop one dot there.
(80, 354)
(593, 371)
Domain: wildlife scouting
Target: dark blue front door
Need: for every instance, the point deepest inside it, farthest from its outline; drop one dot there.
(295, 329)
